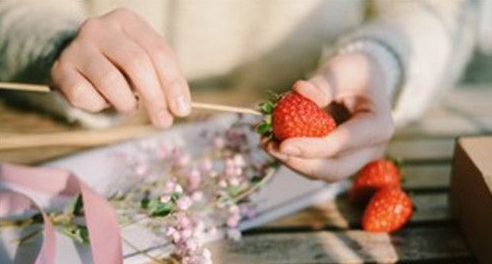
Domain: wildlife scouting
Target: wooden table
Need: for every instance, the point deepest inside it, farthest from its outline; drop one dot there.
(330, 232)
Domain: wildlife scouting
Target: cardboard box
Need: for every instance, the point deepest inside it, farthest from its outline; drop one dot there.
(471, 193)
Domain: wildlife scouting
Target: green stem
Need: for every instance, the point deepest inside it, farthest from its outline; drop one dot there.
(157, 260)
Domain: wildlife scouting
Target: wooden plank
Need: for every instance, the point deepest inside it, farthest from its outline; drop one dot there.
(467, 110)
(415, 245)
(427, 177)
(341, 214)
(422, 150)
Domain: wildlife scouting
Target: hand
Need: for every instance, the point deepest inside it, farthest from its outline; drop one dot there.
(114, 57)
(354, 81)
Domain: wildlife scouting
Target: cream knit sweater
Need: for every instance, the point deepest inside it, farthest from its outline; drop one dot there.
(422, 45)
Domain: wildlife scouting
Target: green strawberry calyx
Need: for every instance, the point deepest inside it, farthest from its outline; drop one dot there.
(264, 128)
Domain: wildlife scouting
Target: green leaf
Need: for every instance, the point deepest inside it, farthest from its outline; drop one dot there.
(144, 203)
(234, 191)
(156, 208)
(82, 233)
(175, 196)
(263, 128)
(78, 233)
(74, 207)
(267, 107)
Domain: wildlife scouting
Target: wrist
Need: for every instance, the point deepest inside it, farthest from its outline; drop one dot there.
(384, 62)
(352, 73)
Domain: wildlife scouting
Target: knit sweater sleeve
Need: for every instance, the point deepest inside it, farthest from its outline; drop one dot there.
(422, 47)
(32, 33)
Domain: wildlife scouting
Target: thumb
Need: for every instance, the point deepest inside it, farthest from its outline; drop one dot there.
(316, 89)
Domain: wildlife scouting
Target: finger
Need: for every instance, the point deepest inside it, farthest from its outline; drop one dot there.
(174, 85)
(78, 91)
(331, 170)
(106, 79)
(137, 66)
(362, 130)
(317, 90)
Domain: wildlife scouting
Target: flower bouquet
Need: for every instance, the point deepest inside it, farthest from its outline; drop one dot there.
(172, 193)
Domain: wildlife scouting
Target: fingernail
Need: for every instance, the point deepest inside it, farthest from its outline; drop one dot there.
(163, 119)
(182, 105)
(291, 150)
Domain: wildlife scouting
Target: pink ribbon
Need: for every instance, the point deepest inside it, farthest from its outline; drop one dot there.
(101, 219)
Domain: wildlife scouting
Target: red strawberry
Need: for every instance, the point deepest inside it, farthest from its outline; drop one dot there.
(296, 116)
(388, 210)
(374, 176)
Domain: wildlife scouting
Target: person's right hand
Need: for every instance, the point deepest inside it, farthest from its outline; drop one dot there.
(115, 57)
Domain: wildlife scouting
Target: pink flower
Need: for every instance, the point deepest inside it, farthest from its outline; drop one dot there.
(165, 198)
(186, 233)
(170, 186)
(162, 152)
(234, 209)
(222, 183)
(178, 189)
(206, 165)
(233, 220)
(234, 181)
(184, 203)
(194, 179)
(183, 160)
(219, 142)
(197, 196)
(170, 231)
(239, 160)
(141, 169)
(183, 221)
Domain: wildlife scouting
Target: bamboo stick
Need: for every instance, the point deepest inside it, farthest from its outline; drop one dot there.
(196, 105)
(24, 87)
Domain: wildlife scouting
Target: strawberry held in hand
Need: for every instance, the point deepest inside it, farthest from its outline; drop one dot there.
(374, 176)
(295, 116)
(388, 210)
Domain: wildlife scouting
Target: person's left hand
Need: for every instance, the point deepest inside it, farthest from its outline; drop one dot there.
(355, 81)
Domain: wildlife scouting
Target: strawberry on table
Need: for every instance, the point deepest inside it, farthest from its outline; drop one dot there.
(295, 116)
(388, 210)
(372, 177)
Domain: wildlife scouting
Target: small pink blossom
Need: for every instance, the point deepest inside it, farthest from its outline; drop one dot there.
(186, 233)
(206, 165)
(170, 231)
(197, 196)
(184, 203)
(234, 209)
(213, 174)
(239, 160)
(141, 169)
(233, 220)
(194, 178)
(234, 181)
(219, 142)
(183, 221)
(170, 186)
(162, 152)
(178, 189)
(165, 198)
(183, 160)
(222, 183)
(229, 163)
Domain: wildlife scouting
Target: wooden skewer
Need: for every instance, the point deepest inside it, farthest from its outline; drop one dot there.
(197, 105)
(225, 108)
(24, 87)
